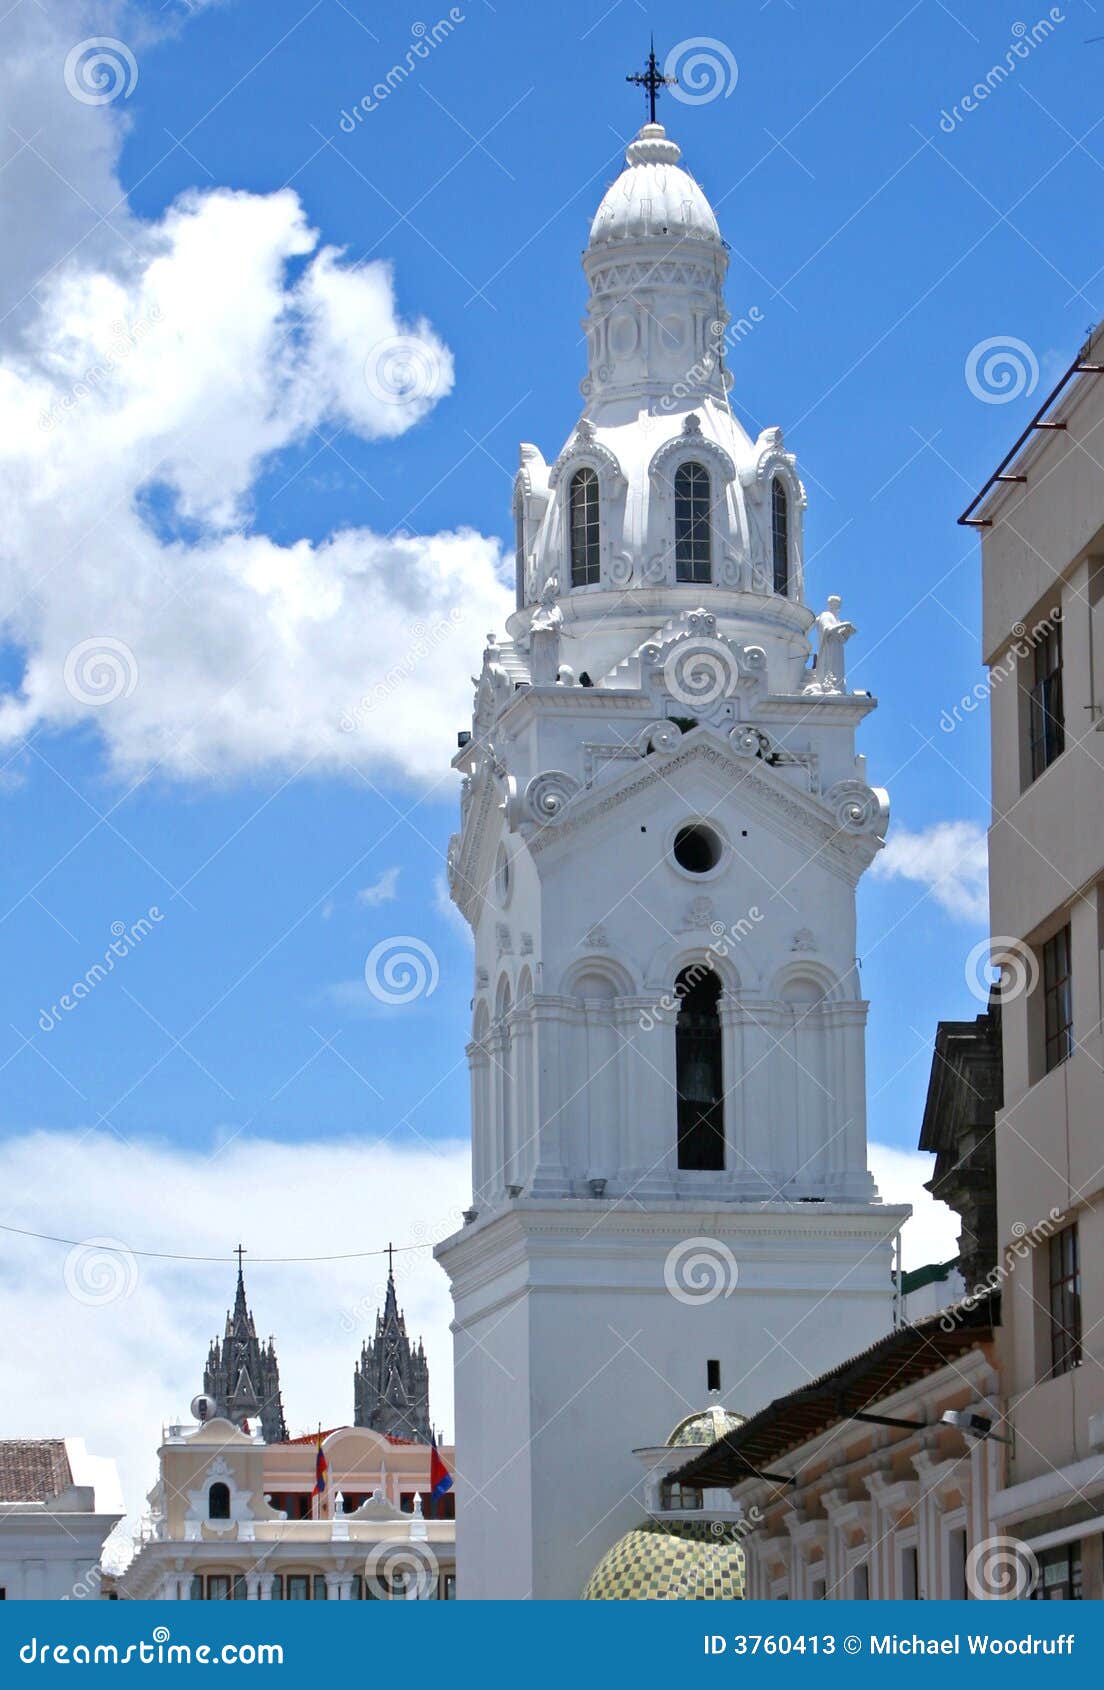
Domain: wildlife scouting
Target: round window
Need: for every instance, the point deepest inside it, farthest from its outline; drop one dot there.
(697, 848)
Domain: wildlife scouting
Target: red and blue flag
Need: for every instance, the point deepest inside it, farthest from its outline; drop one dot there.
(440, 1479)
(321, 1470)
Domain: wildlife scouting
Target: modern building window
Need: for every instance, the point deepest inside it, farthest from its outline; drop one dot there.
(780, 536)
(1059, 1574)
(1057, 999)
(1065, 1302)
(586, 566)
(693, 538)
(1046, 718)
(698, 1071)
(218, 1502)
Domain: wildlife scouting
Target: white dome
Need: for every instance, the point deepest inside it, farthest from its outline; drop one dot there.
(653, 197)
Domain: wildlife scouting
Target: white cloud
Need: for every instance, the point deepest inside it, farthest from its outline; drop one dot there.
(382, 891)
(931, 1235)
(115, 1373)
(157, 371)
(949, 858)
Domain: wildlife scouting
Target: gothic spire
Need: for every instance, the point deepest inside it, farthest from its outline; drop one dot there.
(391, 1381)
(242, 1375)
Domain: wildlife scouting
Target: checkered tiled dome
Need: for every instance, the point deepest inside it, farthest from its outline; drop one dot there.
(704, 1427)
(671, 1561)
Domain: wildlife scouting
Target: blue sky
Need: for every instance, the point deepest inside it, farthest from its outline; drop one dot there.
(878, 249)
(235, 460)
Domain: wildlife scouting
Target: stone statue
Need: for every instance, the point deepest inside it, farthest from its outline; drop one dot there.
(832, 635)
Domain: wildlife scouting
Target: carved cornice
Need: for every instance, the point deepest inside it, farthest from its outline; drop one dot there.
(805, 815)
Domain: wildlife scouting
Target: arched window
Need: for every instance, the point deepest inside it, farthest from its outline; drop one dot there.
(585, 533)
(692, 525)
(218, 1502)
(699, 1080)
(780, 536)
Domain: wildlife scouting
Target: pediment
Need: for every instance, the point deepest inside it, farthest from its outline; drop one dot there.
(842, 826)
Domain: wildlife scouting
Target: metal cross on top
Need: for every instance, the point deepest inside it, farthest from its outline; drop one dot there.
(390, 1261)
(240, 1252)
(653, 81)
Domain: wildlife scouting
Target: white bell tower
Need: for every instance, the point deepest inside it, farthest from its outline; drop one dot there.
(663, 825)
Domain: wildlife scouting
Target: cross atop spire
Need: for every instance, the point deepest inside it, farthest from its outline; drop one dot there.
(390, 1261)
(240, 1252)
(652, 80)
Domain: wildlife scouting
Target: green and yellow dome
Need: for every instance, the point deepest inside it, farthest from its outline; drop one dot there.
(704, 1427)
(677, 1560)
(671, 1561)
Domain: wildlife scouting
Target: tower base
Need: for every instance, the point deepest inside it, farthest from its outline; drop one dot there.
(583, 1329)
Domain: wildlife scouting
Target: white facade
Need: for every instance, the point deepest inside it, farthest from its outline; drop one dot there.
(663, 824)
(51, 1544)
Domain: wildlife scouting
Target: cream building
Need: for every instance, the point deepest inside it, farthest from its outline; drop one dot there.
(1041, 522)
(232, 1517)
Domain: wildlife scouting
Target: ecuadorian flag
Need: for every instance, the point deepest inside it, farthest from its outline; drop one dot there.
(440, 1479)
(321, 1470)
